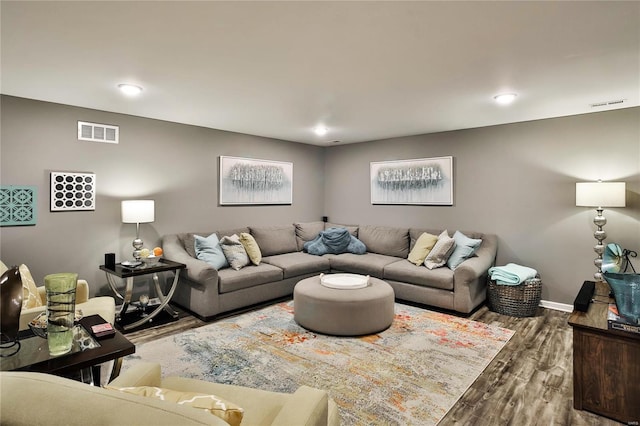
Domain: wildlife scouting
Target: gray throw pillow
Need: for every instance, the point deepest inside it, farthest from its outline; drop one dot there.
(234, 251)
(440, 253)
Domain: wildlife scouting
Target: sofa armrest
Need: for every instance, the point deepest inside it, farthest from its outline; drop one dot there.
(469, 278)
(197, 270)
(306, 406)
(142, 374)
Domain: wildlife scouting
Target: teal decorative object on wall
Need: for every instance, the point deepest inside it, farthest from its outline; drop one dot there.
(17, 205)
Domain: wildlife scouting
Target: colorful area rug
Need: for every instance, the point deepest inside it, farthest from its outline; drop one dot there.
(411, 373)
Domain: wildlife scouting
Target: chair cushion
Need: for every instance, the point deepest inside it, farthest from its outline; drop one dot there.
(227, 411)
(298, 263)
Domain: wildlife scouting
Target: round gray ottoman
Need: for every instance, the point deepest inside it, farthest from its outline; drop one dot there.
(338, 312)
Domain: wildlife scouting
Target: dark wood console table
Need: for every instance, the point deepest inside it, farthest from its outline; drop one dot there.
(606, 363)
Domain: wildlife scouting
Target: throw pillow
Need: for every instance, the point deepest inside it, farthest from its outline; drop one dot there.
(209, 250)
(217, 406)
(440, 253)
(421, 249)
(234, 252)
(30, 296)
(3, 267)
(465, 248)
(251, 247)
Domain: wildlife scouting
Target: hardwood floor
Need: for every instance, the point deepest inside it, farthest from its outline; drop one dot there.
(528, 383)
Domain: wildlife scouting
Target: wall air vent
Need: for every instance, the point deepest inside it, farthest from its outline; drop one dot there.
(607, 103)
(95, 132)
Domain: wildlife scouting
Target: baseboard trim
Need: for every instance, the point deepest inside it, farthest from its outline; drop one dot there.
(556, 306)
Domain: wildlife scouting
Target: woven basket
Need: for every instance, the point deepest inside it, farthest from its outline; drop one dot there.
(515, 300)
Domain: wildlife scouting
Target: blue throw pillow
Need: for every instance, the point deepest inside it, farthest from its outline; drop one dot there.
(465, 248)
(209, 250)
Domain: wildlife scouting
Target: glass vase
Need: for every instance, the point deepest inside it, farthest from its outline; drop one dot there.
(61, 305)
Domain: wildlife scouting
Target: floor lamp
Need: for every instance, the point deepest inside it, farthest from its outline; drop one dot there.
(138, 211)
(600, 194)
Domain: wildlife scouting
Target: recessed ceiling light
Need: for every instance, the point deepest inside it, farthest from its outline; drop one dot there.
(505, 98)
(320, 130)
(130, 89)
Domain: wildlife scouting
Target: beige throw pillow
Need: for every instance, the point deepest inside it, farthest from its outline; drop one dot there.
(422, 248)
(441, 251)
(30, 296)
(251, 246)
(227, 411)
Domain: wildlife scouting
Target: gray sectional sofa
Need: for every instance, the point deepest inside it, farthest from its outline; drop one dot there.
(207, 292)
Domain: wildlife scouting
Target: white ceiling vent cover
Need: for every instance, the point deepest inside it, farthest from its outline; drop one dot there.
(95, 132)
(607, 103)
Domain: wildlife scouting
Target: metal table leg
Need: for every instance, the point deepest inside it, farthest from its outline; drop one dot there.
(163, 298)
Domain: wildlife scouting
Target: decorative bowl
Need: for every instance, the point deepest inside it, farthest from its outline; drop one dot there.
(38, 325)
(151, 260)
(626, 291)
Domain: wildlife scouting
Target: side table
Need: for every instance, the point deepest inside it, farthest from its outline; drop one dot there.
(606, 365)
(128, 273)
(88, 354)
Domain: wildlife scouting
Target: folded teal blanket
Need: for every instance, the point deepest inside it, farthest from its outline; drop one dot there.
(335, 241)
(511, 274)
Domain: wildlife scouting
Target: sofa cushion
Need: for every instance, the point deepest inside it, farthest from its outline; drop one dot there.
(353, 229)
(367, 264)
(275, 239)
(465, 248)
(385, 240)
(252, 248)
(209, 250)
(227, 411)
(307, 232)
(188, 241)
(440, 253)
(234, 252)
(250, 276)
(298, 263)
(406, 272)
(421, 248)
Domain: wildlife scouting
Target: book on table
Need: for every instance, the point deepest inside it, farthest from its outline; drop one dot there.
(616, 322)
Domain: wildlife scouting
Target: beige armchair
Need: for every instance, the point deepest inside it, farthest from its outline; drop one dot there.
(104, 305)
(62, 401)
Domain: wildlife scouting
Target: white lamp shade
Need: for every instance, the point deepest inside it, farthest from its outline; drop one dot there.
(600, 194)
(138, 211)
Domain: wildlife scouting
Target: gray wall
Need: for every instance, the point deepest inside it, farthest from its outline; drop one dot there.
(517, 181)
(176, 165)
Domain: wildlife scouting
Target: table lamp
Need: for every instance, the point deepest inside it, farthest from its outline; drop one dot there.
(600, 194)
(138, 211)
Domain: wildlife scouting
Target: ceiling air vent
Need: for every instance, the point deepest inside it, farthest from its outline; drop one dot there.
(95, 132)
(607, 103)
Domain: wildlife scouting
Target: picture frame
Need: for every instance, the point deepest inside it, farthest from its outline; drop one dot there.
(72, 191)
(18, 205)
(419, 181)
(249, 181)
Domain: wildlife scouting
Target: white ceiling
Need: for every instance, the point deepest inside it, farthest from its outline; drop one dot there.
(366, 70)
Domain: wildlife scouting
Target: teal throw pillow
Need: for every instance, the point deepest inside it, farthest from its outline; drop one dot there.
(465, 248)
(209, 250)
